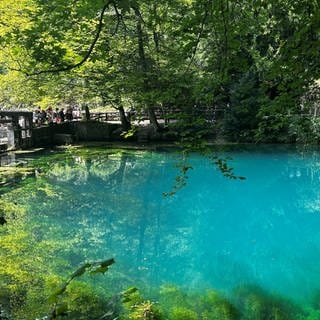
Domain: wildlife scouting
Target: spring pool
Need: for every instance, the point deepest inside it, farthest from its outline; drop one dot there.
(264, 231)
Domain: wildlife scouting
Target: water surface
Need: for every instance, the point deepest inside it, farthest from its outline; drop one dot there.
(214, 233)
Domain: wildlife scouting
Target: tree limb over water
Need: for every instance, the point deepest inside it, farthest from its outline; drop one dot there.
(87, 55)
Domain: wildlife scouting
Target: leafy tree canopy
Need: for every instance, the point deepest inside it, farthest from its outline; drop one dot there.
(175, 54)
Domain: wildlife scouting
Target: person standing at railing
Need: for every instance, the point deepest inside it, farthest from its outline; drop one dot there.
(43, 117)
(37, 116)
(61, 115)
(56, 117)
(69, 115)
(50, 115)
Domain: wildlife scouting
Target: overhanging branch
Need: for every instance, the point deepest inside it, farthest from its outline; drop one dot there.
(87, 55)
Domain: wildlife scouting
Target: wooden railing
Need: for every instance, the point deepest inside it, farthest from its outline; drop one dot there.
(105, 116)
(210, 114)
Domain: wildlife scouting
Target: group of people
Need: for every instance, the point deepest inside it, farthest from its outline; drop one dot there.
(51, 116)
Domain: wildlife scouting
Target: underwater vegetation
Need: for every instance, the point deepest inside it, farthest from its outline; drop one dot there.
(33, 280)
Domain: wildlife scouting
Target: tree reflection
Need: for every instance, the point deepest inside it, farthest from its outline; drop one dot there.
(214, 233)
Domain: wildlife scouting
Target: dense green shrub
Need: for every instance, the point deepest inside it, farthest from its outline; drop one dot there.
(240, 118)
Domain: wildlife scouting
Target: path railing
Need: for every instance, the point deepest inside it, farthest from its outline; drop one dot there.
(209, 113)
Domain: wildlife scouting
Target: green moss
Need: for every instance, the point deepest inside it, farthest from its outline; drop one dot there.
(145, 310)
(171, 296)
(211, 305)
(180, 313)
(311, 314)
(216, 307)
(255, 303)
(10, 211)
(85, 301)
(136, 308)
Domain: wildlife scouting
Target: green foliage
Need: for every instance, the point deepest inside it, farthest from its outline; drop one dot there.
(241, 120)
(130, 133)
(273, 128)
(274, 119)
(249, 59)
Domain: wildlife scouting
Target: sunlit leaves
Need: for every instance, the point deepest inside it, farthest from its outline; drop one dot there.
(16, 15)
(195, 53)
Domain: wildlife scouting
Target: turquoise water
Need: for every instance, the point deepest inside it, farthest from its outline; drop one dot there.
(214, 233)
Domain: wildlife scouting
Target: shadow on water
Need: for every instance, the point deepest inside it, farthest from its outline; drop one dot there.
(13, 170)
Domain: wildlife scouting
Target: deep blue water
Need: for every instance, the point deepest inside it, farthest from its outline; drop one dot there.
(214, 233)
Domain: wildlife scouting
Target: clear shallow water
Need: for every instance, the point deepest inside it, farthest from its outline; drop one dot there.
(214, 233)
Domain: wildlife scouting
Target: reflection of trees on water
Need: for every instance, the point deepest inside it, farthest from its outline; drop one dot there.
(229, 233)
(121, 215)
(107, 207)
(306, 177)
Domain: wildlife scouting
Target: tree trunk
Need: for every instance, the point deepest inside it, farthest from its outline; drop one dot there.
(125, 123)
(153, 119)
(145, 67)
